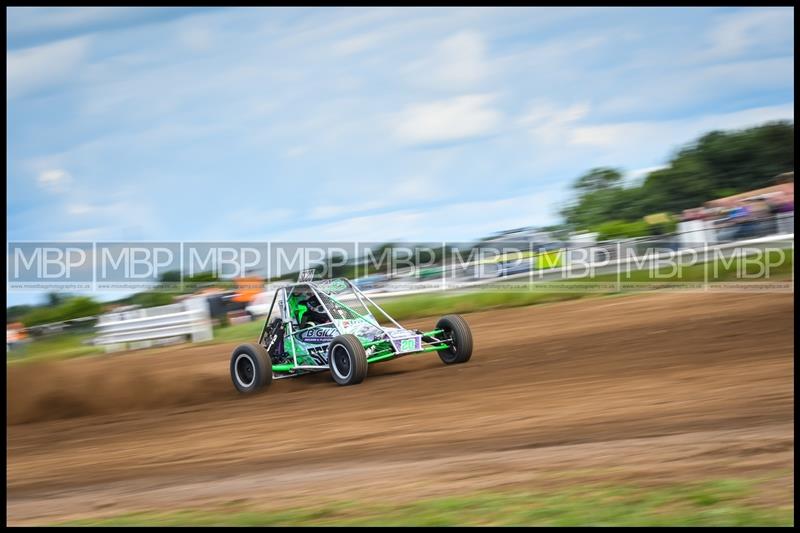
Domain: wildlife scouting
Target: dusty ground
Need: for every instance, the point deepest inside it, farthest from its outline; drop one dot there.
(644, 389)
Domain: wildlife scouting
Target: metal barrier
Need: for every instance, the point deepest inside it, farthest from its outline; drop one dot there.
(612, 261)
(144, 327)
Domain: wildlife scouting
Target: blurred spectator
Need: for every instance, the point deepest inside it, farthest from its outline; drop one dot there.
(16, 336)
(729, 225)
(757, 213)
(782, 203)
(759, 221)
(696, 213)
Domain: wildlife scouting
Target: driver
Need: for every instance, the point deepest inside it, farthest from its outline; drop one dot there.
(315, 315)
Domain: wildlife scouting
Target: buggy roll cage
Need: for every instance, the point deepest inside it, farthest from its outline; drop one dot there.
(383, 347)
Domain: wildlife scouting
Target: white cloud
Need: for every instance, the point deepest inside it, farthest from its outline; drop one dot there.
(87, 234)
(95, 209)
(459, 118)
(707, 84)
(666, 133)
(330, 211)
(42, 20)
(317, 29)
(359, 43)
(457, 62)
(196, 38)
(251, 216)
(296, 151)
(86, 214)
(327, 211)
(563, 61)
(37, 68)
(29, 23)
(247, 223)
(550, 124)
(414, 187)
(122, 214)
(457, 221)
(54, 180)
(406, 191)
(578, 141)
(752, 30)
(80, 209)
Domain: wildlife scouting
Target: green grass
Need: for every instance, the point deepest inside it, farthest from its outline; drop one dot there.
(437, 304)
(781, 267)
(248, 331)
(63, 346)
(716, 503)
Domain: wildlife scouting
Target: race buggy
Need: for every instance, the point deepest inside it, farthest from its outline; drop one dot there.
(327, 325)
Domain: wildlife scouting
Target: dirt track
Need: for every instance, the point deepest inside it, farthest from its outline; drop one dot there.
(648, 389)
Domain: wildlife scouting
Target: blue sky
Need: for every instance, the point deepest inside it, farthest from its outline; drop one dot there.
(360, 124)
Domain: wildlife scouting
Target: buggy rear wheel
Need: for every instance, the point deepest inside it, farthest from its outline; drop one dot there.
(347, 360)
(251, 368)
(456, 332)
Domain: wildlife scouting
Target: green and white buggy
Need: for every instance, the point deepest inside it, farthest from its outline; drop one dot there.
(313, 326)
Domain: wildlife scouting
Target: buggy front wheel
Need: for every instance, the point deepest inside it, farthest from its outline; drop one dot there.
(347, 360)
(456, 333)
(251, 368)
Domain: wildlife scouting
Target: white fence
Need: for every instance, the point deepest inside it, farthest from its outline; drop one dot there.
(141, 328)
(618, 261)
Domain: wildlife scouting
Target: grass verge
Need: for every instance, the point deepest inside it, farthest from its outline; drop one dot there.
(63, 346)
(715, 503)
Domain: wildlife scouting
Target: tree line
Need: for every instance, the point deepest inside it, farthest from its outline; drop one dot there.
(718, 164)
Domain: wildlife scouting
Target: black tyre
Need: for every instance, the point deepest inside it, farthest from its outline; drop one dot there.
(251, 368)
(348, 360)
(456, 330)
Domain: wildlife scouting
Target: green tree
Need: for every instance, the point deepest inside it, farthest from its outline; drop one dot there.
(717, 164)
(55, 298)
(16, 312)
(173, 276)
(69, 308)
(617, 229)
(599, 179)
(203, 277)
(152, 298)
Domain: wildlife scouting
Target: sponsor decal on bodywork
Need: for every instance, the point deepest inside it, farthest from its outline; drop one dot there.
(318, 334)
(360, 328)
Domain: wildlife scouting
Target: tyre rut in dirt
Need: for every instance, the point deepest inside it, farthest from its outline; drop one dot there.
(457, 331)
(251, 368)
(347, 359)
